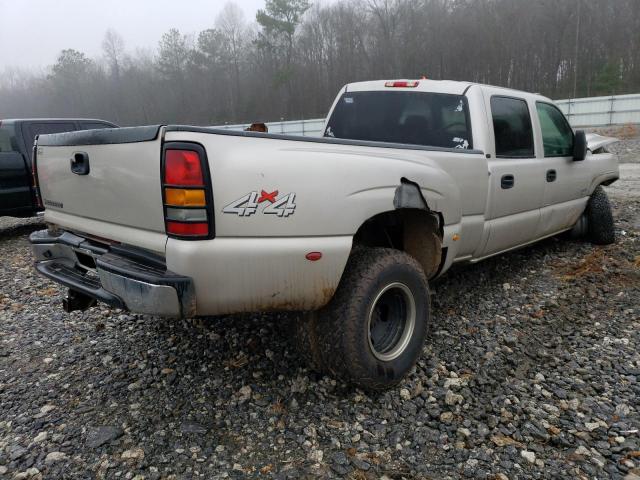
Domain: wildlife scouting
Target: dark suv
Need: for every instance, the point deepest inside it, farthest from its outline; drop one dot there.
(17, 195)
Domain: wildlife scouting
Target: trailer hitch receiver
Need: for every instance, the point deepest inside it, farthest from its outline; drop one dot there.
(77, 301)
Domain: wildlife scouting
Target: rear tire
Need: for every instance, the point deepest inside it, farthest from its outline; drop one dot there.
(373, 330)
(600, 226)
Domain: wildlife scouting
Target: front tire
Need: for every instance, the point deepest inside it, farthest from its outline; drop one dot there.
(600, 226)
(373, 330)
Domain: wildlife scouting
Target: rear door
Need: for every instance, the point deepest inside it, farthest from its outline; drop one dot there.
(516, 184)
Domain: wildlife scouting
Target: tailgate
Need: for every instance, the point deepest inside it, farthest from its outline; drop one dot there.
(117, 195)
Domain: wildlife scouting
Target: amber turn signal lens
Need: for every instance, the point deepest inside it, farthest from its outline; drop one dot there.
(180, 197)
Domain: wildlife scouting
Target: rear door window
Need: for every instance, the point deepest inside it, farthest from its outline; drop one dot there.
(414, 118)
(557, 134)
(512, 127)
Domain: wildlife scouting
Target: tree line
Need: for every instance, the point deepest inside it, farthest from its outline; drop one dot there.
(291, 60)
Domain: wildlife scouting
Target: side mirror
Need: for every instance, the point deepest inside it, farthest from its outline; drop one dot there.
(579, 146)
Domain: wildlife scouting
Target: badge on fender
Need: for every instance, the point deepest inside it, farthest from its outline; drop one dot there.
(249, 204)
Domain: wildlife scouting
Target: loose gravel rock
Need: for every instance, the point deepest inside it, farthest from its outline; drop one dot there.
(98, 436)
(531, 371)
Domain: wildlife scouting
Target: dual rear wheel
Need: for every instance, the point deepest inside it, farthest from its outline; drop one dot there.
(373, 330)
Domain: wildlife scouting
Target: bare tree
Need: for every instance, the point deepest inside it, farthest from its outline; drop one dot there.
(113, 48)
(231, 24)
(294, 59)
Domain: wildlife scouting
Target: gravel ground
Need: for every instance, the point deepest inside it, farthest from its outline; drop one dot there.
(629, 187)
(532, 371)
(628, 148)
(628, 151)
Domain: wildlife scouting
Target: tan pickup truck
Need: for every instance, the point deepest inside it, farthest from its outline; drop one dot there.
(409, 178)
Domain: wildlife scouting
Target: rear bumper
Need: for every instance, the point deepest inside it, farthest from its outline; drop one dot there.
(123, 278)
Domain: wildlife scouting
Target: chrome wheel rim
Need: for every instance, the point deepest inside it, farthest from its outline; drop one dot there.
(391, 321)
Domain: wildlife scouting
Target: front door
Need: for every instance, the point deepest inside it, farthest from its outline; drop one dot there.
(566, 181)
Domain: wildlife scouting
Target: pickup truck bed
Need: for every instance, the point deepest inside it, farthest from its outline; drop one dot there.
(126, 205)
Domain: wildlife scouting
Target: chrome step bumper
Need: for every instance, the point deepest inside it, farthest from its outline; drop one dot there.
(123, 278)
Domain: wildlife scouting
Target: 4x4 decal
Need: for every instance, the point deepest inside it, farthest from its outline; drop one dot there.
(249, 204)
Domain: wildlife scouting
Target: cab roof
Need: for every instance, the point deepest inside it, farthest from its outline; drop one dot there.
(424, 85)
(451, 87)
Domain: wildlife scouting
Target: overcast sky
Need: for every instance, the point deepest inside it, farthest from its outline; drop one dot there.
(32, 32)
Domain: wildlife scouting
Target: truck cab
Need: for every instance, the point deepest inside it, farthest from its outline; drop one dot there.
(531, 182)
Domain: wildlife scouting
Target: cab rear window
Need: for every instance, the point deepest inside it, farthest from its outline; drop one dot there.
(414, 118)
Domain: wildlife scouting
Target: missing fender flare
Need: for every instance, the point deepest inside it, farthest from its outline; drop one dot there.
(408, 195)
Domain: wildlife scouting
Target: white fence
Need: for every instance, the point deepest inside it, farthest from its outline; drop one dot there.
(581, 112)
(306, 128)
(601, 111)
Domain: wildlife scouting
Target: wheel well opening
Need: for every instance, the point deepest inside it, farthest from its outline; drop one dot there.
(608, 182)
(415, 231)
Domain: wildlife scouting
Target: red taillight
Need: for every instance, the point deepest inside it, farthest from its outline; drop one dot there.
(188, 229)
(186, 192)
(183, 167)
(402, 84)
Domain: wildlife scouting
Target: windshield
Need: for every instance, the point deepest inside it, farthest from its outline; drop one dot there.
(415, 118)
